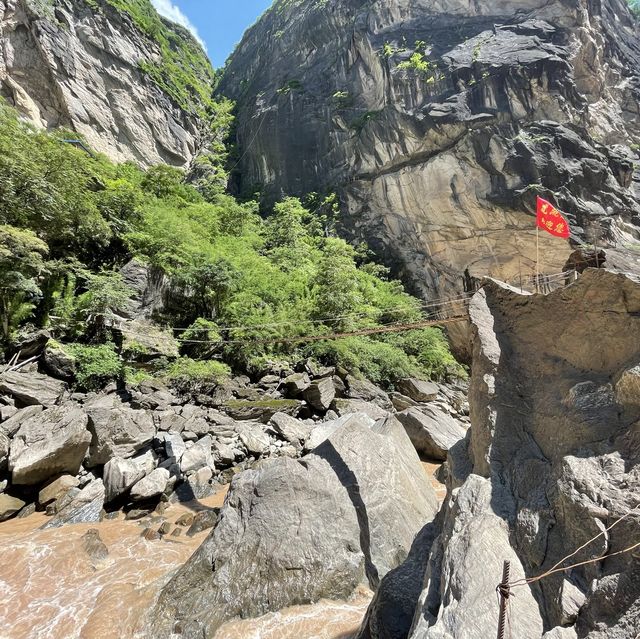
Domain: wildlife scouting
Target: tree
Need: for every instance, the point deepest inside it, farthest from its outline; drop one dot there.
(168, 181)
(336, 285)
(211, 284)
(21, 263)
(285, 227)
(106, 293)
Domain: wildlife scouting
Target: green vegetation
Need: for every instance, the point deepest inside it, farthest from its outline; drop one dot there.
(634, 5)
(242, 283)
(96, 365)
(183, 71)
(290, 86)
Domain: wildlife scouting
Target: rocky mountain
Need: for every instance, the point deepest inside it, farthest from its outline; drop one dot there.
(134, 86)
(438, 123)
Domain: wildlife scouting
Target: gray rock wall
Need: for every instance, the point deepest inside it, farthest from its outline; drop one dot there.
(551, 461)
(433, 165)
(65, 64)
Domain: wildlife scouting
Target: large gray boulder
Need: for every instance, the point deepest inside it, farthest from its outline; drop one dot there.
(198, 456)
(344, 407)
(29, 389)
(294, 531)
(550, 462)
(320, 393)
(151, 486)
(56, 489)
(118, 430)
(418, 390)
(321, 432)
(12, 425)
(431, 430)
(366, 391)
(290, 428)
(49, 443)
(253, 438)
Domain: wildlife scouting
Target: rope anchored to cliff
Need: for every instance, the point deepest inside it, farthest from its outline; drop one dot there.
(504, 587)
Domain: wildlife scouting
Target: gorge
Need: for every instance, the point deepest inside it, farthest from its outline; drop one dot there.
(282, 351)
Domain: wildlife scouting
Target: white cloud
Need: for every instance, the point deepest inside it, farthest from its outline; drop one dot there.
(173, 12)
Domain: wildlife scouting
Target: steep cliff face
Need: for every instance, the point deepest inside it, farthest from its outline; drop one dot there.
(90, 67)
(434, 120)
(550, 467)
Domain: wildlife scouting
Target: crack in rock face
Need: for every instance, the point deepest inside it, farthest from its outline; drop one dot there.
(433, 121)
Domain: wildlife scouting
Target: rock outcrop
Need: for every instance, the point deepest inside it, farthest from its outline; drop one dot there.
(293, 532)
(439, 123)
(551, 464)
(83, 65)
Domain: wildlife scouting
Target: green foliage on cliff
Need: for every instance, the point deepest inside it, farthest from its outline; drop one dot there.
(634, 5)
(184, 71)
(243, 285)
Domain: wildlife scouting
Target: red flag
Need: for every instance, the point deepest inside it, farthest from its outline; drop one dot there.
(551, 220)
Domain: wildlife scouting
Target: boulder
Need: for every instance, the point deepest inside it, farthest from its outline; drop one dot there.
(12, 425)
(121, 474)
(364, 390)
(478, 544)
(118, 431)
(9, 506)
(197, 486)
(548, 465)
(55, 489)
(344, 407)
(58, 362)
(48, 444)
(320, 394)
(401, 402)
(295, 531)
(84, 507)
(8, 411)
(203, 520)
(198, 456)
(260, 410)
(174, 446)
(152, 485)
(295, 384)
(170, 421)
(432, 431)
(224, 453)
(321, 432)
(290, 428)
(143, 341)
(418, 390)
(30, 389)
(253, 437)
(4, 448)
(30, 343)
(93, 545)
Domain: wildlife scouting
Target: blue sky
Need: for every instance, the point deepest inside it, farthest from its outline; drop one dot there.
(218, 24)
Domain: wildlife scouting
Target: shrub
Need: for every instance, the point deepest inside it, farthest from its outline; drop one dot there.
(193, 375)
(430, 350)
(96, 366)
(378, 361)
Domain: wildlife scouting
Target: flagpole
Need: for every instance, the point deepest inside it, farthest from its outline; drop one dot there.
(537, 257)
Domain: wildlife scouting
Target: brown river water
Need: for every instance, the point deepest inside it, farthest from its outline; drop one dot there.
(51, 588)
